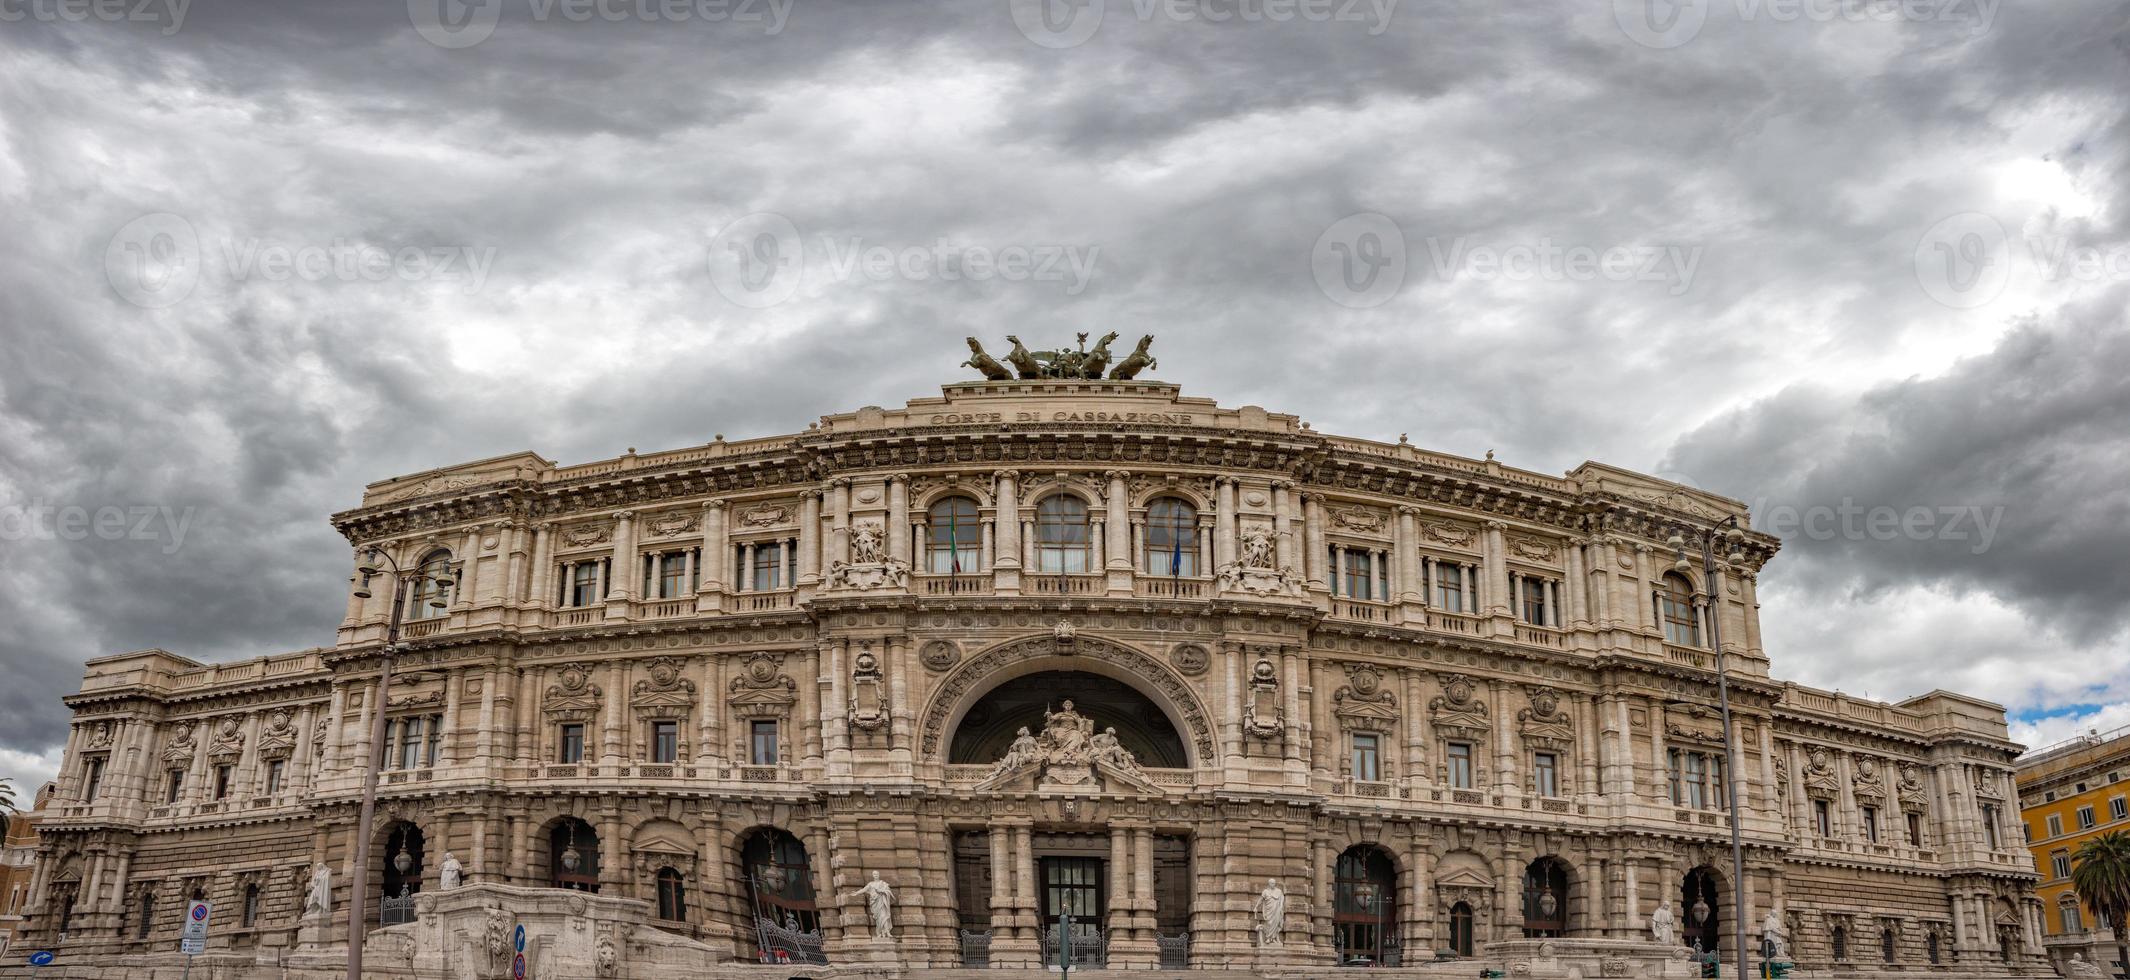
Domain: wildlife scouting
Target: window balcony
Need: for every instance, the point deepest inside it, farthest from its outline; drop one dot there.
(963, 584)
(765, 601)
(1688, 656)
(1051, 583)
(1167, 587)
(1543, 636)
(578, 616)
(665, 608)
(1361, 610)
(1449, 622)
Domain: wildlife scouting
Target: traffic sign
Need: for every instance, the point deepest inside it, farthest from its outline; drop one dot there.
(42, 957)
(193, 940)
(517, 967)
(517, 937)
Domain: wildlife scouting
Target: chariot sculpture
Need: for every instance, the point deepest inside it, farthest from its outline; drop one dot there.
(1063, 363)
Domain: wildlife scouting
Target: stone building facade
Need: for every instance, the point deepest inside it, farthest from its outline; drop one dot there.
(18, 861)
(1438, 701)
(2068, 793)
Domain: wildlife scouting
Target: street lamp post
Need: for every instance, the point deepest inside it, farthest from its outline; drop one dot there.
(358, 887)
(1732, 535)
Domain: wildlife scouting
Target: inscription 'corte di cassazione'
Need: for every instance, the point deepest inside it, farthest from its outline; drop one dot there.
(1138, 418)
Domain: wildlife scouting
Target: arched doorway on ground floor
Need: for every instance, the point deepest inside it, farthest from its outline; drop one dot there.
(785, 918)
(1545, 898)
(573, 855)
(402, 873)
(1700, 910)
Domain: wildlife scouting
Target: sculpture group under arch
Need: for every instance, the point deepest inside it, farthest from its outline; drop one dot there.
(977, 675)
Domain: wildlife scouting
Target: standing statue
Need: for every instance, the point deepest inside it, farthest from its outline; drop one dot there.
(1271, 914)
(449, 874)
(982, 362)
(1138, 360)
(866, 544)
(1097, 360)
(880, 905)
(1023, 361)
(1771, 945)
(319, 899)
(1661, 925)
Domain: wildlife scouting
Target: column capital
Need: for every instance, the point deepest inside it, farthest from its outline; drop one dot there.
(902, 478)
(1117, 474)
(1408, 510)
(1009, 476)
(1497, 525)
(713, 506)
(624, 515)
(840, 482)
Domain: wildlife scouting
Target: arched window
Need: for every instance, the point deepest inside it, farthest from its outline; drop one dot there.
(1930, 946)
(1841, 942)
(1461, 929)
(954, 536)
(1545, 898)
(780, 883)
(430, 593)
(1675, 609)
(672, 905)
(147, 922)
(1698, 897)
(1170, 543)
(1062, 534)
(573, 855)
(1364, 907)
(402, 874)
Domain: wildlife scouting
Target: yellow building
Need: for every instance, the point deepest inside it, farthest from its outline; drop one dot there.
(2068, 792)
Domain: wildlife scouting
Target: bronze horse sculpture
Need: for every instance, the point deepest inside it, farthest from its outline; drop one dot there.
(1138, 360)
(1063, 363)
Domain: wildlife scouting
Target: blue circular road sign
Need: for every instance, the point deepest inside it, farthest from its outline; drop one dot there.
(517, 967)
(517, 937)
(42, 957)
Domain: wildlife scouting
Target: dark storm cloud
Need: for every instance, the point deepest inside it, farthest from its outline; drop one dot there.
(1196, 165)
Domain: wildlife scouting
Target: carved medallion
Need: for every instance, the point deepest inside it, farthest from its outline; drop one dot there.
(940, 655)
(1190, 659)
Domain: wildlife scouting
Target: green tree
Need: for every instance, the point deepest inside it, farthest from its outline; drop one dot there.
(2100, 872)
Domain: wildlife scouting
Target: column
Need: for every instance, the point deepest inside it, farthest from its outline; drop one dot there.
(898, 528)
(485, 741)
(1000, 839)
(1577, 613)
(1497, 568)
(1007, 536)
(622, 584)
(1143, 877)
(1749, 594)
(1410, 583)
(1313, 539)
(1120, 902)
(1224, 522)
(791, 563)
(1118, 517)
(836, 720)
(747, 567)
(1601, 554)
(839, 541)
(1659, 759)
(449, 746)
(1644, 615)
(1283, 524)
(717, 556)
(1505, 761)
(1469, 577)
(1338, 569)
(809, 538)
(540, 586)
(617, 694)
(706, 737)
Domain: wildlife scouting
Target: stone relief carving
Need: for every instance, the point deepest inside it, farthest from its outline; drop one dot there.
(1913, 796)
(181, 745)
(100, 737)
(868, 698)
(587, 535)
(1258, 548)
(1264, 714)
(1198, 728)
(1068, 753)
(1819, 774)
(1454, 535)
(867, 543)
(1190, 659)
(674, 524)
(1359, 519)
(767, 515)
(228, 741)
(278, 739)
(1363, 704)
(1457, 712)
(573, 697)
(1544, 724)
(1865, 782)
(940, 655)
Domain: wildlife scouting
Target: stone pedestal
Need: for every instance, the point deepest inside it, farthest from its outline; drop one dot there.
(1541, 959)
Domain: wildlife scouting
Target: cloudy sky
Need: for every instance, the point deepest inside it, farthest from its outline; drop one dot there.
(1861, 265)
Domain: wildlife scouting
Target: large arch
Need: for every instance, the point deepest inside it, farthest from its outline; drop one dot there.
(989, 726)
(985, 672)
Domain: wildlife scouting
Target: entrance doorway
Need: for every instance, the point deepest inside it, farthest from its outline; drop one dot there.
(1697, 905)
(1074, 886)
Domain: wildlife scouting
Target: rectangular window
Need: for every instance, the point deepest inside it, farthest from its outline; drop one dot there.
(1871, 824)
(582, 589)
(1460, 756)
(2055, 825)
(1358, 584)
(665, 741)
(1365, 762)
(2072, 922)
(768, 566)
(1695, 777)
(670, 572)
(1678, 790)
(222, 776)
(1449, 587)
(410, 743)
(91, 780)
(1989, 825)
(173, 785)
(1545, 772)
(2049, 796)
(1915, 830)
(273, 776)
(763, 743)
(1823, 818)
(2085, 817)
(572, 744)
(1534, 605)
(2060, 864)
(2117, 809)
